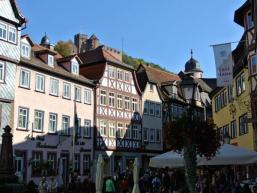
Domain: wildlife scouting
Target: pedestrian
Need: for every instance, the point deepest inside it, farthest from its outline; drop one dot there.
(52, 185)
(156, 183)
(109, 185)
(43, 185)
(124, 185)
(246, 189)
(255, 189)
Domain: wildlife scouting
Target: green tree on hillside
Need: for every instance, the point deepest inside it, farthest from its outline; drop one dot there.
(65, 48)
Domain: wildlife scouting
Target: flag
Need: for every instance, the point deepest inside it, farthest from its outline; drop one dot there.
(224, 64)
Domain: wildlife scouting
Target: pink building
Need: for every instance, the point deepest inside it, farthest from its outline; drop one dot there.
(53, 114)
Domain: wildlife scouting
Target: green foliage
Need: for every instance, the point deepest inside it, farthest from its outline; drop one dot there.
(135, 62)
(65, 48)
(184, 131)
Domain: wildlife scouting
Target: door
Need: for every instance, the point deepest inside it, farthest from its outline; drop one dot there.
(19, 170)
(64, 169)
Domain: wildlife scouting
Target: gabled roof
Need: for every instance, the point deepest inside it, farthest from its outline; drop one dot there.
(17, 12)
(157, 76)
(239, 13)
(28, 38)
(69, 58)
(211, 82)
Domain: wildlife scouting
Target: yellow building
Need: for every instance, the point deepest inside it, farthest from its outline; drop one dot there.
(232, 109)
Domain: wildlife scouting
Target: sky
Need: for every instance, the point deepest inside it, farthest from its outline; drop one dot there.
(159, 31)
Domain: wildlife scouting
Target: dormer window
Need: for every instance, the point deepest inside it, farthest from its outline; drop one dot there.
(50, 60)
(12, 34)
(249, 18)
(25, 50)
(74, 68)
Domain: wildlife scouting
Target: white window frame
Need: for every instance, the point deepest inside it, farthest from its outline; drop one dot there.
(50, 60)
(127, 78)
(240, 84)
(77, 94)
(119, 74)
(134, 132)
(119, 101)
(120, 132)
(25, 50)
(2, 71)
(87, 128)
(54, 86)
(3, 31)
(38, 116)
(12, 35)
(102, 97)
(243, 125)
(65, 131)
(152, 135)
(38, 77)
(151, 108)
(111, 99)
(157, 108)
(23, 116)
(111, 129)
(128, 131)
(66, 90)
(134, 105)
(111, 72)
(127, 103)
(53, 121)
(102, 128)
(253, 58)
(75, 67)
(87, 96)
(27, 73)
(86, 162)
(146, 107)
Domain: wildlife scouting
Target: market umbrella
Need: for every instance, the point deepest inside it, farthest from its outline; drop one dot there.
(99, 174)
(135, 176)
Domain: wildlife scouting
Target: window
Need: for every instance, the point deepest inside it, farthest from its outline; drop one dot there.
(25, 79)
(77, 96)
(243, 126)
(158, 135)
(151, 87)
(240, 84)
(12, 34)
(120, 133)
(52, 160)
(50, 60)
(146, 107)
(233, 131)
(134, 105)
(66, 90)
(38, 120)
(126, 76)
(87, 96)
(75, 68)
(119, 74)
(127, 103)
(134, 132)
(102, 128)
(54, 87)
(119, 100)
(250, 23)
(25, 50)
(111, 99)
(78, 127)
(111, 72)
(151, 135)
(128, 132)
(157, 110)
(221, 100)
(23, 118)
(87, 128)
(3, 31)
(102, 97)
(40, 83)
(86, 163)
(37, 158)
(77, 162)
(2, 71)
(226, 129)
(65, 125)
(151, 108)
(145, 134)
(52, 123)
(253, 64)
(230, 93)
(111, 129)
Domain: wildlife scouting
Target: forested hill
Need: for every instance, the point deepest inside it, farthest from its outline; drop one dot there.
(135, 62)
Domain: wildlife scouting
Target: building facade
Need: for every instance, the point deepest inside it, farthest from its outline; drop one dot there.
(53, 114)
(11, 23)
(117, 108)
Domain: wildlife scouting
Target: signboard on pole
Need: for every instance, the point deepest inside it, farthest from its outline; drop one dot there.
(224, 64)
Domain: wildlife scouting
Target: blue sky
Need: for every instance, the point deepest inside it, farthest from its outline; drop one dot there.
(160, 31)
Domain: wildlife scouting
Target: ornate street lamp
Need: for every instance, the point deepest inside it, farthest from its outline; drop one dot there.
(189, 89)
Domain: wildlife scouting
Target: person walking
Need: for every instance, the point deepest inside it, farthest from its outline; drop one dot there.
(52, 185)
(109, 185)
(43, 185)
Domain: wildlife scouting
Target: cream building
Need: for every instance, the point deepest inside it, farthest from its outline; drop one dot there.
(53, 114)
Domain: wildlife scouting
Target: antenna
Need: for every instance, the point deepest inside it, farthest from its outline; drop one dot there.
(192, 53)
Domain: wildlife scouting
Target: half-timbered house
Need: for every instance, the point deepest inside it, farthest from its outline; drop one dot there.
(117, 107)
